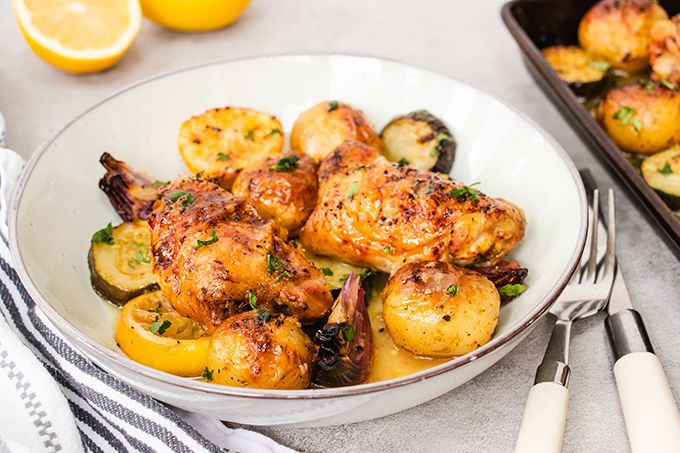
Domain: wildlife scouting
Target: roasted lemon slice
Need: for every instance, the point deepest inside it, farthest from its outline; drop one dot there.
(79, 36)
(152, 333)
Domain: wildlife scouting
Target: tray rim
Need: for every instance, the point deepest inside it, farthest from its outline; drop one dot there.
(599, 142)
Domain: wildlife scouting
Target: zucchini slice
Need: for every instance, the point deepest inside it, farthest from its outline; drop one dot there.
(120, 262)
(420, 140)
(662, 173)
(585, 74)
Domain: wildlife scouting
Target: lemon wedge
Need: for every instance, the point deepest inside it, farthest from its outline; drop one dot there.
(79, 36)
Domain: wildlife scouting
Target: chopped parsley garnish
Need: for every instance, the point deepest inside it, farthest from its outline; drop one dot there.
(511, 290)
(363, 275)
(344, 278)
(275, 132)
(333, 105)
(221, 156)
(159, 327)
(348, 333)
(186, 197)
(353, 189)
(452, 290)
(142, 255)
(387, 250)
(601, 65)
(465, 193)
(249, 136)
(667, 84)
(104, 235)
(207, 374)
(666, 170)
(159, 183)
(637, 125)
(403, 161)
(288, 163)
(649, 87)
(157, 308)
(211, 240)
(327, 271)
(275, 265)
(360, 167)
(623, 115)
(262, 314)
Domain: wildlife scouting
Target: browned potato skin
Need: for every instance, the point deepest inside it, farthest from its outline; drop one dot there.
(318, 131)
(286, 197)
(664, 51)
(248, 352)
(618, 30)
(243, 136)
(658, 112)
(424, 319)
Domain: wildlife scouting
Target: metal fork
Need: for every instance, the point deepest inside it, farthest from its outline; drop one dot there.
(545, 413)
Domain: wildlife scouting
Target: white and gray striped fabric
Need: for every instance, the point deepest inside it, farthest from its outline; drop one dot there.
(108, 414)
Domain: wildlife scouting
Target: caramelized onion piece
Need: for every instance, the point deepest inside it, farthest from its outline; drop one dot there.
(501, 273)
(131, 193)
(345, 353)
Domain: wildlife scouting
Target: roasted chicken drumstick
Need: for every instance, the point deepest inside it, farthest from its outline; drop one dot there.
(381, 215)
(212, 252)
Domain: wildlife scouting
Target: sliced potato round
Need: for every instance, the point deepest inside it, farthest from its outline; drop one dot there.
(221, 142)
(662, 173)
(120, 262)
(585, 74)
(420, 140)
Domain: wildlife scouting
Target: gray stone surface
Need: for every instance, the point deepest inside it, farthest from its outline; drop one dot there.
(467, 40)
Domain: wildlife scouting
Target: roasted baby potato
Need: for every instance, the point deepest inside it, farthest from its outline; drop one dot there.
(120, 262)
(618, 30)
(322, 128)
(585, 74)
(664, 50)
(255, 349)
(439, 310)
(221, 142)
(641, 118)
(420, 140)
(282, 188)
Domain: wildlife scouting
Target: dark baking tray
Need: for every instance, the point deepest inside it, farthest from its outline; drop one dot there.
(536, 24)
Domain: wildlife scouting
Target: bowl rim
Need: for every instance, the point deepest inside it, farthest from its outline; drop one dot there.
(102, 354)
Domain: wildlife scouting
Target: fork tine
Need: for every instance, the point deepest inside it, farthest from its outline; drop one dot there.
(591, 267)
(610, 257)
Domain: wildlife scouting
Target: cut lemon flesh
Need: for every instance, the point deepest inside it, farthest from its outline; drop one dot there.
(152, 333)
(79, 35)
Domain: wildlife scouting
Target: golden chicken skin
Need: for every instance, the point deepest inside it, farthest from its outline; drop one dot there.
(255, 349)
(211, 249)
(436, 309)
(322, 128)
(282, 188)
(618, 31)
(664, 51)
(376, 214)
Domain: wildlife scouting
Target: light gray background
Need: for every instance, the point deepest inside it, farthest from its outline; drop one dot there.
(467, 40)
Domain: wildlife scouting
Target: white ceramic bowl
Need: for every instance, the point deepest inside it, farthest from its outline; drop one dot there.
(58, 206)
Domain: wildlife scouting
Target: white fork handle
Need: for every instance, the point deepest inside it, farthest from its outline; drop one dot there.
(652, 418)
(544, 418)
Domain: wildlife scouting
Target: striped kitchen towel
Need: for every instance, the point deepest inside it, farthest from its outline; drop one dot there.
(53, 399)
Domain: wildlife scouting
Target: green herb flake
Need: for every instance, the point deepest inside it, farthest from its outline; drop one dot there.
(649, 87)
(142, 255)
(623, 115)
(403, 161)
(104, 235)
(159, 183)
(666, 170)
(207, 374)
(157, 308)
(275, 265)
(327, 271)
(333, 105)
(262, 314)
(441, 137)
(353, 189)
(252, 299)
(276, 131)
(360, 167)
(186, 197)
(211, 240)
(221, 156)
(511, 290)
(466, 193)
(159, 327)
(348, 333)
(288, 163)
(282, 275)
(387, 250)
(668, 85)
(249, 136)
(601, 65)
(637, 125)
(452, 290)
